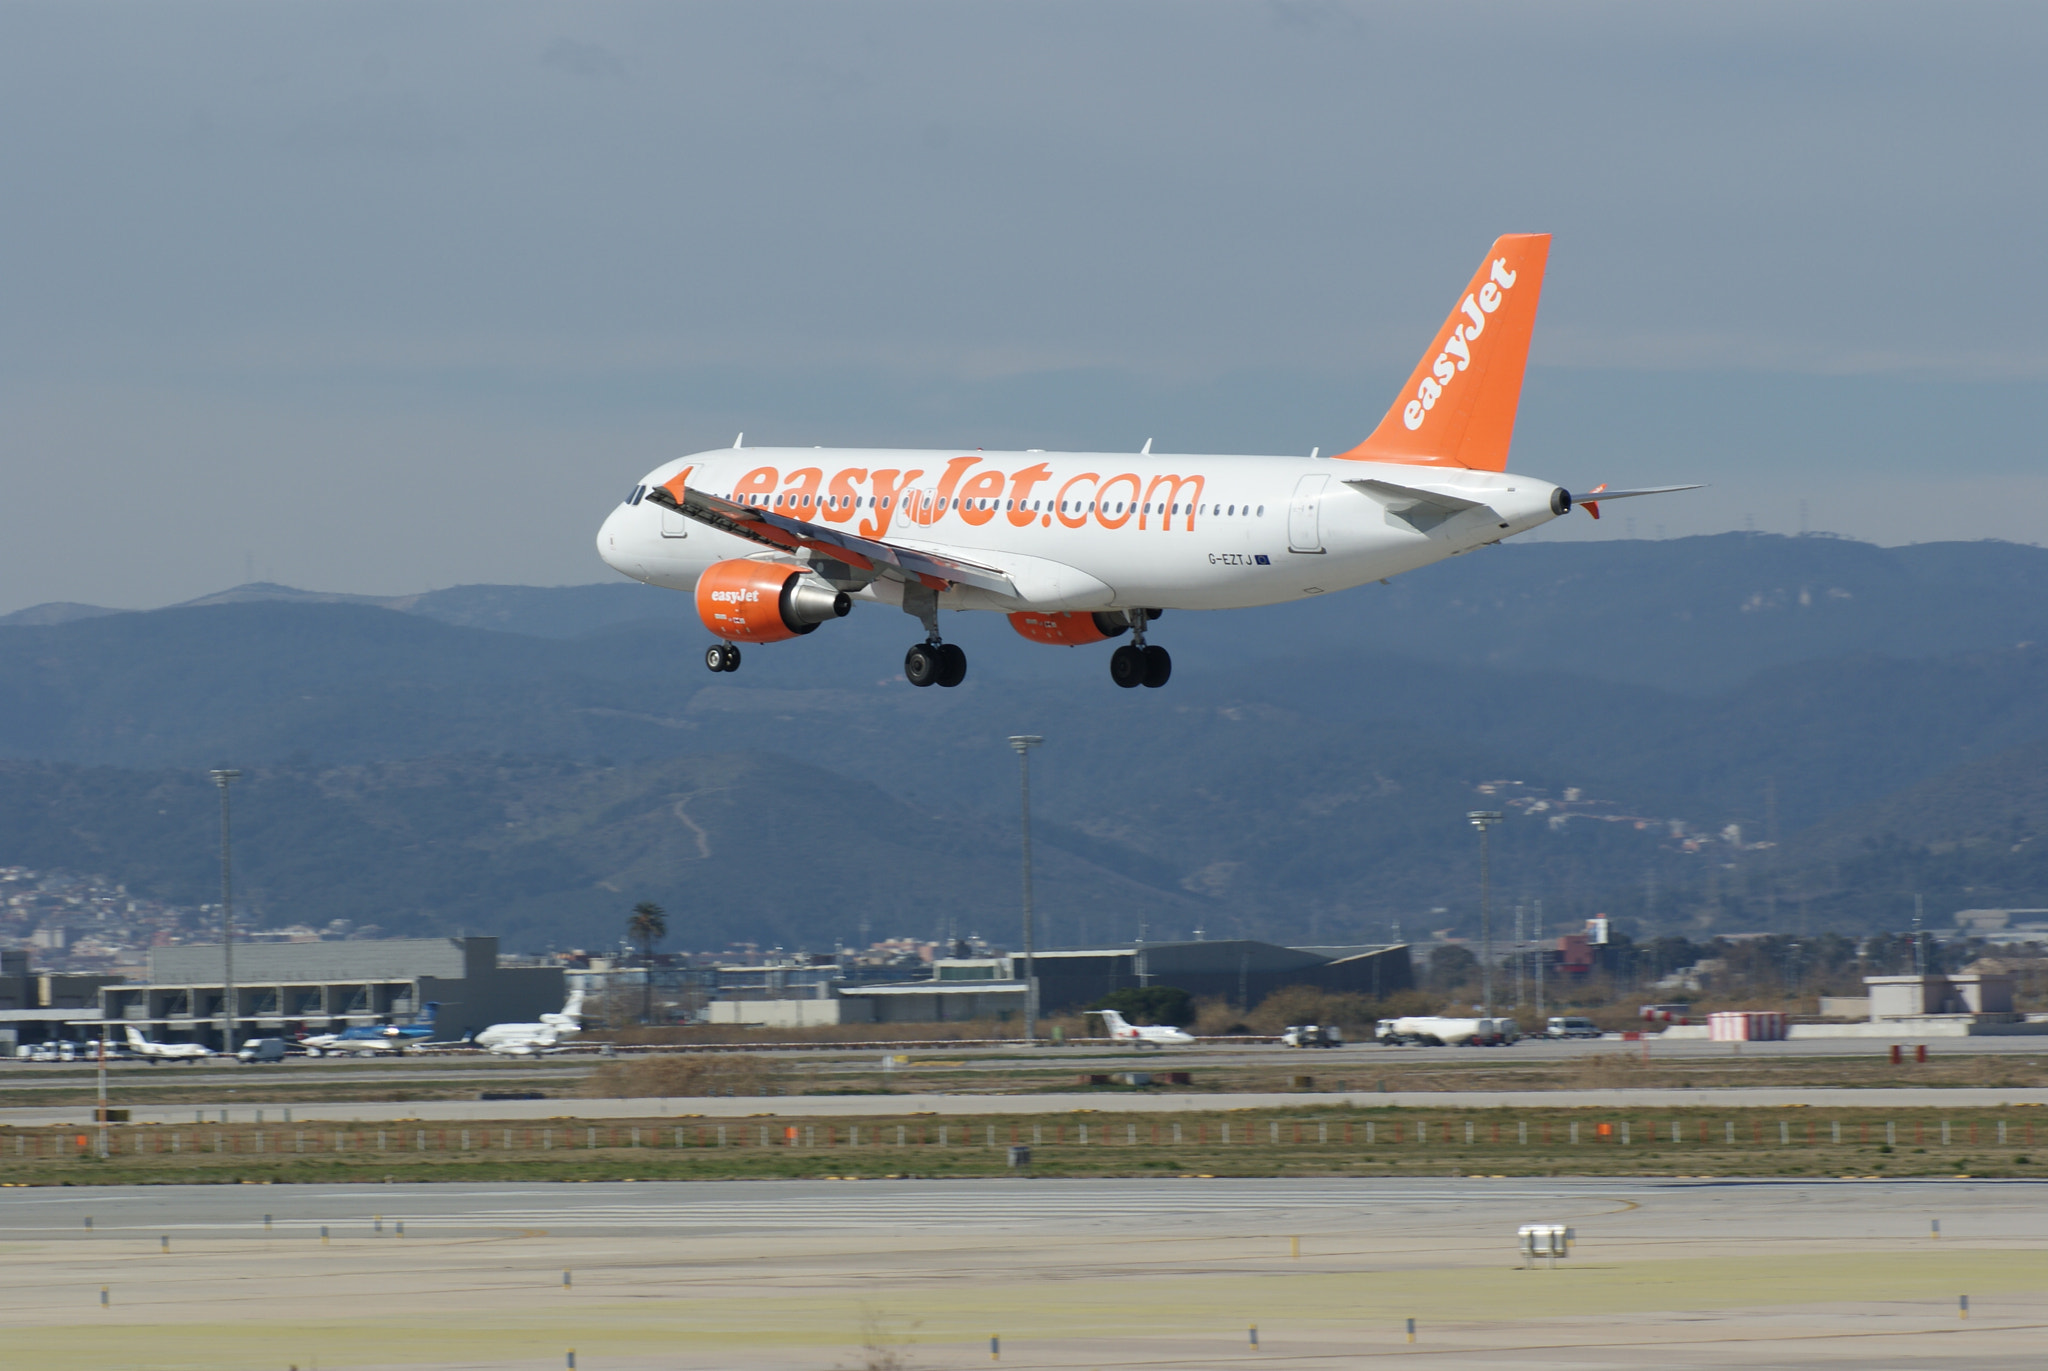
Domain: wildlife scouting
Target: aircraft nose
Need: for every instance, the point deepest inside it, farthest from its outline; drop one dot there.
(609, 536)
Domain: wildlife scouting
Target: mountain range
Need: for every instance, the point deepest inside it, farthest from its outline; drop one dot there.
(533, 760)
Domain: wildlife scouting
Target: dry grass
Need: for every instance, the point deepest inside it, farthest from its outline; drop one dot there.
(682, 1074)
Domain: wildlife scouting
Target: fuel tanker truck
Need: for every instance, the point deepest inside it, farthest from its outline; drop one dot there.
(1432, 1031)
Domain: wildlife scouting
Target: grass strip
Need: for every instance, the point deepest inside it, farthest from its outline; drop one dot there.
(1335, 1140)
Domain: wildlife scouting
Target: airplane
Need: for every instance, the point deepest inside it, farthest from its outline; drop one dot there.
(370, 1040)
(533, 1039)
(1078, 548)
(156, 1053)
(1141, 1035)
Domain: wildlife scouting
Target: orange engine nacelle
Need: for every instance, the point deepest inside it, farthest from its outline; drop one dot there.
(765, 602)
(1071, 628)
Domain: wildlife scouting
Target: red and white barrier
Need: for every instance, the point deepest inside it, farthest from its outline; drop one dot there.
(1763, 1026)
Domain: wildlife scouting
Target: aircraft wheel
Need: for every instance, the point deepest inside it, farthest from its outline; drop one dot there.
(923, 665)
(722, 657)
(1158, 667)
(952, 665)
(1127, 666)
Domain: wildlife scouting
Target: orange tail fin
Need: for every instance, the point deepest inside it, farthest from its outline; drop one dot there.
(1458, 408)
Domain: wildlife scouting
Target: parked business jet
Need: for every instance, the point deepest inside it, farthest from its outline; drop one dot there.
(532, 1039)
(1141, 1035)
(155, 1053)
(371, 1040)
(1085, 547)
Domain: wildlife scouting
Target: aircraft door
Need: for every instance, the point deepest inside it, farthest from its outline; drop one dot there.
(1303, 534)
(674, 525)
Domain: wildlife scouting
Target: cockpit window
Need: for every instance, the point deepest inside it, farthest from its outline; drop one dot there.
(633, 495)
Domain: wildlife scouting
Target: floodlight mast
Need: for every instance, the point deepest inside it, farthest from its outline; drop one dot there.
(1023, 743)
(224, 778)
(1483, 820)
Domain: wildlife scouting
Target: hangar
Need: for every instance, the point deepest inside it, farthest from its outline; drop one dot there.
(1241, 971)
(333, 985)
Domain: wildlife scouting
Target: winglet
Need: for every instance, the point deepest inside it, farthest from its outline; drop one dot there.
(1458, 408)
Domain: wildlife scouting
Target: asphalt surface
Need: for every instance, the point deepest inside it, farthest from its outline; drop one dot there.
(18, 1075)
(1693, 1210)
(1106, 1102)
(1166, 1274)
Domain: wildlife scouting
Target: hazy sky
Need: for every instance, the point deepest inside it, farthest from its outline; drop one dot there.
(381, 297)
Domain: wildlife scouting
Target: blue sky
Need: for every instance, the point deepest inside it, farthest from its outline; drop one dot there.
(379, 297)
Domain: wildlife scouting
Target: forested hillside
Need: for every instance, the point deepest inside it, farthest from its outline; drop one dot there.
(528, 759)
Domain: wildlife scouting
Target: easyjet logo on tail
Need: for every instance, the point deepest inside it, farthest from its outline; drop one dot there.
(1457, 353)
(1458, 408)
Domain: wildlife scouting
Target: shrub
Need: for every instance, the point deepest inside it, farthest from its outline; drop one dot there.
(1154, 1004)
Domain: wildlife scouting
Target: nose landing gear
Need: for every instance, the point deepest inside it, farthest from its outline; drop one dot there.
(722, 657)
(1137, 663)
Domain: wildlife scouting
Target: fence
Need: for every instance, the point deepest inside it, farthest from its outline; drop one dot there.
(1750, 1131)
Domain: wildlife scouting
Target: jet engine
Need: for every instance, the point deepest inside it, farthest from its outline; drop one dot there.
(765, 602)
(1072, 628)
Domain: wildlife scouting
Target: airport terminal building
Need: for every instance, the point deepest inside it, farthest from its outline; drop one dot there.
(325, 986)
(1241, 972)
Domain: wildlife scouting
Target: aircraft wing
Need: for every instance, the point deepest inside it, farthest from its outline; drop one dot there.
(779, 531)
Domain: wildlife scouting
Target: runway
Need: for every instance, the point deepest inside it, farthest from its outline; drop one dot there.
(1094, 1054)
(1069, 1274)
(1104, 1102)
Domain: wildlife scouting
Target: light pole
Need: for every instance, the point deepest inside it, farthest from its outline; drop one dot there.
(1483, 820)
(223, 778)
(1023, 743)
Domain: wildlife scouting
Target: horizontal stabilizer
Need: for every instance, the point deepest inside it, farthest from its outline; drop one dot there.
(1387, 492)
(1593, 496)
(1421, 510)
(1590, 501)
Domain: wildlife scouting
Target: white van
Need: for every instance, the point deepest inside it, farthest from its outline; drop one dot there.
(262, 1050)
(1568, 1027)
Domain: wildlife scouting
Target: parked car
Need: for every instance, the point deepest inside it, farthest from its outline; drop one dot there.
(1570, 1027)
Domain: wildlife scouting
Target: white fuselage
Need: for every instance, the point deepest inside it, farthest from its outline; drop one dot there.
(524, 1039)
(1089, 531)
(166, 1052)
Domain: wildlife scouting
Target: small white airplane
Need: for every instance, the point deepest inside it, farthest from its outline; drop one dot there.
(533, 1039)
(1141, 1035)
(372, 1040)
(153, 1052)
(1079, 548)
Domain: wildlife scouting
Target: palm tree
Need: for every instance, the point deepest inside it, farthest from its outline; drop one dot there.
(648, 926)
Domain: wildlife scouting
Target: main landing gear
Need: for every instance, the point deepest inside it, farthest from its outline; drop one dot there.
(940, 664)
(931, 662)
(722, 657)
(1136, 663)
